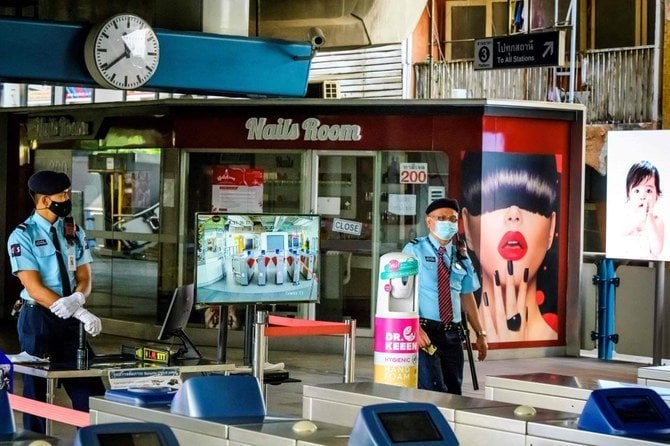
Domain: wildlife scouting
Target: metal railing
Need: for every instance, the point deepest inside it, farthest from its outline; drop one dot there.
(616, 84)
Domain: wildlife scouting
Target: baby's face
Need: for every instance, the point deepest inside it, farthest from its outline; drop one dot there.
(643, 193)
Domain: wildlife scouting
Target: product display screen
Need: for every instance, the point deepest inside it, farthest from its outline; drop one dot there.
(257, 258)
(635, 409)
(405, 427)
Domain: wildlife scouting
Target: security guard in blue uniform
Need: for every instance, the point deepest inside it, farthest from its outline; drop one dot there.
(441, 346)
(51, 259)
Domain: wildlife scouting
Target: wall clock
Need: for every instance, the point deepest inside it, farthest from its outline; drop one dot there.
(122, 52)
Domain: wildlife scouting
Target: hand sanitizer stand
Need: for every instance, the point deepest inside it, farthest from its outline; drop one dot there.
(396, 353)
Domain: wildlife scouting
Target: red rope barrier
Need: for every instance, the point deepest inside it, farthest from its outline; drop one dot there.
(50, 411)
(288, 326)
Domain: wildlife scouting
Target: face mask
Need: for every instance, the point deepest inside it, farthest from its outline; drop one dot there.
(61, 208)
(445, 229)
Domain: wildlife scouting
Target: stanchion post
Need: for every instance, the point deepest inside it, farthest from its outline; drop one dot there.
(350, 351)
(659, 314)
(259, 346)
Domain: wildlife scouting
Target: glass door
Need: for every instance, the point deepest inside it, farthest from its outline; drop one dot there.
(344, 185)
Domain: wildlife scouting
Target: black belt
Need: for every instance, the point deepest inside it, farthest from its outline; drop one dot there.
(439, 326)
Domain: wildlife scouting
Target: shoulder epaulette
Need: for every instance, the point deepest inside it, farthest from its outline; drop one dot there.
(22, 227)
(414, 241)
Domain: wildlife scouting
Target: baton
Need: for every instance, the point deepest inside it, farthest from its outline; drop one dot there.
(465, 333)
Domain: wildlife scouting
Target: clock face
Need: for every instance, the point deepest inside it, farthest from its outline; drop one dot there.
(122, 52)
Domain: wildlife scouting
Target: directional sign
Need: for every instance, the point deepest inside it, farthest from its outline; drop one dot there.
(520, 50)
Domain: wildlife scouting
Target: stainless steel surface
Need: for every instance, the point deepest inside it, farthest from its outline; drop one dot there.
(51, 374)
(101, 406)
(659, 313)
(552, 391)
(661, 372)
(350, 351)
(281, 433)
(260, 345)
(567, 432)
(340, 403)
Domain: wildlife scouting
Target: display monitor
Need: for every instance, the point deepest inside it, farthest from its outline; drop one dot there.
(409, 424)
(176, 320)
(257, 258)
(130, 434)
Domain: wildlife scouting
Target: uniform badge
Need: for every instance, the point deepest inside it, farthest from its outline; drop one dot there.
(40, 242)
(15, 250)
(430, 259)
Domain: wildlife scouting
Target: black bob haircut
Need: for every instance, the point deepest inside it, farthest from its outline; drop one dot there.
(497, 180)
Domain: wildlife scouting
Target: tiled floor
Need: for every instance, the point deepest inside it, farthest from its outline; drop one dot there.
(318, 368)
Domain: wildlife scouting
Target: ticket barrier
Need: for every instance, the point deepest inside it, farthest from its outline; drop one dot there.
(654, 376)
(552, 391)
(613, 417)
(473, 420)
(215, 410)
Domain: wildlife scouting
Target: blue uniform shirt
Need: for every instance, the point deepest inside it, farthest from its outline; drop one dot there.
(31, 249)
(463, 277)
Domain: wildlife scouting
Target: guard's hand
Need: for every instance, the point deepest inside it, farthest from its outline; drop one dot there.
(92, 323)
(423, 340)
(66, 306)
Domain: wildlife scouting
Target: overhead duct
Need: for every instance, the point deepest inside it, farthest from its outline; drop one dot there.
(344, 23)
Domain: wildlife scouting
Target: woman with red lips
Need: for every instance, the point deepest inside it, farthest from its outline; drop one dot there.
(509, 217)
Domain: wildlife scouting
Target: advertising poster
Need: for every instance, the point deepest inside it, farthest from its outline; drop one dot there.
(509, 211)
(237, 189)
(638, 169)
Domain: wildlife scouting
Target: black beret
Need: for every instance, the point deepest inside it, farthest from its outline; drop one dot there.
(48, 182)
(443, 203)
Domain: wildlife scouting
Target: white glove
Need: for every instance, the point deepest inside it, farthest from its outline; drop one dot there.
(66, 306)
(92, 323)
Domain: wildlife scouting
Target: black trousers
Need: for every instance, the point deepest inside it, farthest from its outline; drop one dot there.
(443, 370)
(43, 334)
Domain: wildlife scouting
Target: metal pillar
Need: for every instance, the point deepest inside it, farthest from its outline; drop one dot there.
(606, 281)
(659, 314)
(350, 351)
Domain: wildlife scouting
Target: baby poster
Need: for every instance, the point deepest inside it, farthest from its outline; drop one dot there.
(638, 180)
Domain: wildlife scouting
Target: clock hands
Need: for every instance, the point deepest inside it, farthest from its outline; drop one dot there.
(126, 54)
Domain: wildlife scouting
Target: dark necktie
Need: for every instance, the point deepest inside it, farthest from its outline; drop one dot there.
(444, 289)
(64, 277)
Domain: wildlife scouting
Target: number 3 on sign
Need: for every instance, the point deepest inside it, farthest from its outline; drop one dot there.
(414, 173)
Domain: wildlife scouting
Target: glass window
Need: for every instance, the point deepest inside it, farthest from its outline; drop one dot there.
(467, 20)
(467, 23)
(345, 203)
(403, 204)
(115, 197)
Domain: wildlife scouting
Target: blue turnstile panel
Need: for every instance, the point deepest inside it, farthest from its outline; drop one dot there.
(408, 424)
(128, 434)
(626, 411)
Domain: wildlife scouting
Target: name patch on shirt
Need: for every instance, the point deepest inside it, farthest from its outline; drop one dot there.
(429, 259)
(15, 250)
(41, 242)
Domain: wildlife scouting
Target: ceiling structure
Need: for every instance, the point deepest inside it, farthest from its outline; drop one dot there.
(344, 23)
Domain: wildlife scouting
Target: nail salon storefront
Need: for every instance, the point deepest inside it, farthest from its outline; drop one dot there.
(140, 172)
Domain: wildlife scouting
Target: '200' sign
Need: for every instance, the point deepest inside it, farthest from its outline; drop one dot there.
(414, 173)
